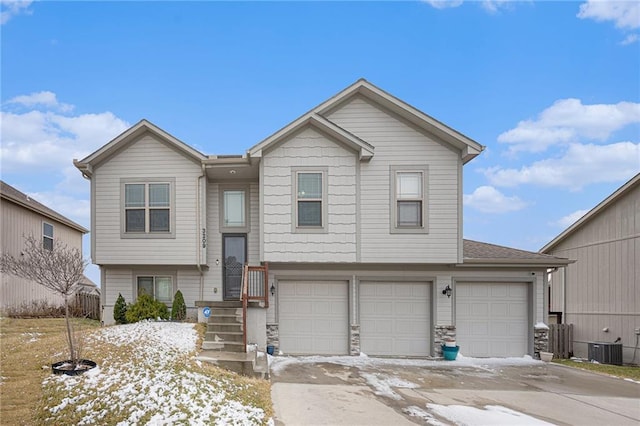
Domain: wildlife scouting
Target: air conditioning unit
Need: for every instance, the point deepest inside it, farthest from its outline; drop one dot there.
(605, 353)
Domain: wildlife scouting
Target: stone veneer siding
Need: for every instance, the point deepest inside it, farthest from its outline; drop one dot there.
(440, 332)
(273, 336)
(540, 340)
(354, 348)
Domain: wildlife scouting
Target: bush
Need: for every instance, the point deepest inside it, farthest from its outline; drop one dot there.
(146, 308)
(120, 310)
(179, 309)
(35, 309)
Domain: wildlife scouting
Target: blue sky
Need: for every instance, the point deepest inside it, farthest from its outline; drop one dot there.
(552, 89)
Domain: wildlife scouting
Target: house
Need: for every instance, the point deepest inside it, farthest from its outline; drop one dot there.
(356, 208)
(23, 216)
(600, 293)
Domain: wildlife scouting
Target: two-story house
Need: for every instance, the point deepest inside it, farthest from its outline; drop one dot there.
(356, 206)
(21, 216)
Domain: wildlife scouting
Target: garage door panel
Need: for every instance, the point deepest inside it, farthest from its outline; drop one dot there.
(395, 318)
(492, 319)
(313, 317)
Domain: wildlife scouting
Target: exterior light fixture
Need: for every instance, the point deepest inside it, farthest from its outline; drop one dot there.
(447, 290)
(273, 289)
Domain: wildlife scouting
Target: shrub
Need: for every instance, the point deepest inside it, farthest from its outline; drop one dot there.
(179, 309)
(35, 309)
(120, 310)
(146, 308)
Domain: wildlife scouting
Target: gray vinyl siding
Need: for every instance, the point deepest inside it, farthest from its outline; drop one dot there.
(146, 158)
(309, 148)
(603, 285)
(18, 222)
(399, 144)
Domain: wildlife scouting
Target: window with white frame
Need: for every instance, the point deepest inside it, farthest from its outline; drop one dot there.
(47, 236)
(147, 208)
(310, 199)
(234, 208)
(158, 287)
(408, 208)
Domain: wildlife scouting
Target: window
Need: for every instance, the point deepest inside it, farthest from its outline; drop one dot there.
(310, 199)
(47, 236)
(147, 209)
(158, 287)
(408, 209)
(234, 208)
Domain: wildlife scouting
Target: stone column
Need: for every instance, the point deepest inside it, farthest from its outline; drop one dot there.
(440, 332)
(354, 347)
(273, 336)
(540, 339)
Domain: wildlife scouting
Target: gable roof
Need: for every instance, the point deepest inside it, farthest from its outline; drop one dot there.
(86, 164)
(12, 194)
(475, 252)
(632, 183)
(364, 149)
(470, 148)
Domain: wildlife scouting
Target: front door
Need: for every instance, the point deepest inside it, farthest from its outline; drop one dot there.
(234, 251)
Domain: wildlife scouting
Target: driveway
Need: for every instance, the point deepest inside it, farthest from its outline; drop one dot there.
(369, 391)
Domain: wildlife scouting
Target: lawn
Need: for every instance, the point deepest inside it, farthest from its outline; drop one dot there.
(622, 371)
(146, 374)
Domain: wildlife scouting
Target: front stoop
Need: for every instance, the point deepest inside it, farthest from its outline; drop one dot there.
(251, 364)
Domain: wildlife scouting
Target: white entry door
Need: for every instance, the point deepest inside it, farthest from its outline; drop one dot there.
(395, 318)
(492, 319)
(313, 317)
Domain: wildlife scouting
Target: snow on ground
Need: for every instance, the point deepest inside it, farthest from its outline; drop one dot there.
(279, 363)
(415, 411)
(494, 415)
(383, 384)
(156, 384)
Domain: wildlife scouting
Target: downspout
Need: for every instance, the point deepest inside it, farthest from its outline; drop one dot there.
(199, 241)
(564, 295)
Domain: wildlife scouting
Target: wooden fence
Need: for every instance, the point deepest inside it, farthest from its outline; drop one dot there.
(561, 340)
(86, 305)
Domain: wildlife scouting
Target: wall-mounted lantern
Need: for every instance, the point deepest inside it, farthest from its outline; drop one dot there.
(273, 289)
(447, 290)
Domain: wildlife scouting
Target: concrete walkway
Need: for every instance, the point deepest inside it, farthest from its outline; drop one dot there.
(329, 394)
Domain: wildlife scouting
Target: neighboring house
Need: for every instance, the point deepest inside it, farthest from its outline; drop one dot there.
(600, 293)
(22, 216)
(356, 206)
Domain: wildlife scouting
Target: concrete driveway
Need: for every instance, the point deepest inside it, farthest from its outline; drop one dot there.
(367, 391)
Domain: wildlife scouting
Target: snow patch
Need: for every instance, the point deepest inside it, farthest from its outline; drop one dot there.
(541, 326)
(415, 411)
(491, 415)
(383, 384)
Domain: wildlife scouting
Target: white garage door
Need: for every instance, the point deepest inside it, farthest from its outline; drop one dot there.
(395, 318)
(313, 317)
(492, 319)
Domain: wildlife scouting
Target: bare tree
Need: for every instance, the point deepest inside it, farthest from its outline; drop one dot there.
(59, 269)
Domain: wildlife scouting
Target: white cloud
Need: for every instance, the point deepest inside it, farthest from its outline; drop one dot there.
(581, 165)
(78, 210)
(570, 219)
(624, 14)
(566, 121)
(494, 6)
(11, 8)
(444, 4)
(487, 199)
(630, 39)
(43, 99)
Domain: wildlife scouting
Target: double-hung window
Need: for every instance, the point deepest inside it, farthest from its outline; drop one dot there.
(408, 205)
(234, 208)
(158, 287)
(310, 203)
(148, 208)
(47, 236)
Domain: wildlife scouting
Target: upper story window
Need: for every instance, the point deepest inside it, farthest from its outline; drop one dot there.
(148, 209)
(47, 236)
(408, 204)
(310, 204)
(158, 287)
(234, 208)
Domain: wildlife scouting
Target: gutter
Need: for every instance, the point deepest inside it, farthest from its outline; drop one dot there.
(198, 228)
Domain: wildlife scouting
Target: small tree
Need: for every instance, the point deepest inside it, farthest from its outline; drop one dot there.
(59, 269)
(178, 309)
(120, 310)
(146, 308)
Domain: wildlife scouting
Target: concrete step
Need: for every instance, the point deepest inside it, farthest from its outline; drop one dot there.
(224, 346)
(252, 364)
(223, 318)
(224, 326)
(223, 336)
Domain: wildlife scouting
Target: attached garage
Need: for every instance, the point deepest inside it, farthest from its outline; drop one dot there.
(492, 319)
(313, 317)
(395, 318)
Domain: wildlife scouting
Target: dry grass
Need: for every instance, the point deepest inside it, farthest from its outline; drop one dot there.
(29, 347)
(623, 371)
